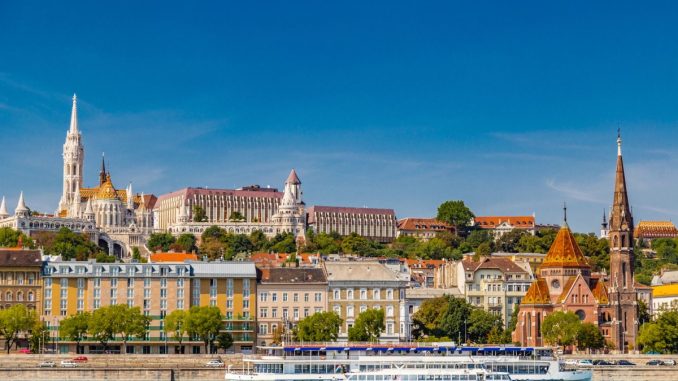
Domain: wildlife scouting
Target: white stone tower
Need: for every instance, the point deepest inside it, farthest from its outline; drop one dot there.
(74, 156)
(291, 216)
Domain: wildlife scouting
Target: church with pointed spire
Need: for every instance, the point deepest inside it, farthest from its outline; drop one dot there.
(565, 282)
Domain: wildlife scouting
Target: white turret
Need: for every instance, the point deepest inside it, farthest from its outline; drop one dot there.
(89, 212)
(73, 156)
(75, 204)
(183, 216)
(130, 197)
(3, 209)
(21, 209)
(291, 215)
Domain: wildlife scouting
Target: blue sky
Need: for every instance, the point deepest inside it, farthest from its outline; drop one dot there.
(512, 107)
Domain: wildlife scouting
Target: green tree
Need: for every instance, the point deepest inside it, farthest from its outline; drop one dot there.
(104, 325)
(136, 255)
(187, 242)
(560, 328)
(359, 245)
(321, 326)
(477, 238)
(368, 326)
(175, 324)
(133, 323)
(643, 312)
(10, 238)
(259, 240)
(660, 335)
(455, 213)
(39, 333)
(427, 321)
(160, 241)
(483, 250)
(75, 328)
(589, 337)
(236, 216)
(204, 323)
(481, 323)
(456, 317)
(510, 242)
(279, 333)
(199, 214)
(224, 340)
(71, 245)
(14, 321)
(284, 243)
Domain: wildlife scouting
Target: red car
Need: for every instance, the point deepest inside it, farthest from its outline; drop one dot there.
(80, 359)
(25, 351)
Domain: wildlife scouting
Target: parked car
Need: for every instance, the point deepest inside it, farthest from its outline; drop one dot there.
(655, 362)
(625, 363)
(69, 364)
(602, 363)
(571, 362)
(47, 364)
(217, 363)
(585, 362)
(669, 362)
(25, 351)
(80, 359)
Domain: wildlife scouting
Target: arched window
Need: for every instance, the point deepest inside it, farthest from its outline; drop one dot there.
(31, 297)
(8, 296)
(20, 296)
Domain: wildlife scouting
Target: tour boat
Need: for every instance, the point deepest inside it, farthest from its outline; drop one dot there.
(402, 362)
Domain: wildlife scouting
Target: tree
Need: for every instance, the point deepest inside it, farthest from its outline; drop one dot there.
(284, 243)
(510, 241)
(455, 213)
(427, 321)
(321, 326)
(186, 242)
(133, 323)
(39, 333)
(104, 325)
(14, 321)
(483, 250)
(643, 312)
(204, 323)
(236, 216)
(10, 238)
(589, 337)
(75, 327)
(560, 328)
(224, 340)
(660, 335)
(259, 240)
(175, 323)
(278, 334)
(368, 326)
(199, 214)
(160, 241)
(481, 323)
(71, 245)
(455, 319)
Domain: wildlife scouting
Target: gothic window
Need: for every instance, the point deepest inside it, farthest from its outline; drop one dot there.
(615, 241)
(581, 314)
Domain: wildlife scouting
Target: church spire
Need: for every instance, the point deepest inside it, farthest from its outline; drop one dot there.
(620, 215)
(102, 173)
(74, 116)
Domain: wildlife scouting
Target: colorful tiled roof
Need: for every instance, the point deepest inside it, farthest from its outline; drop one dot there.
(565, 252)
(600, 291)
(538, 293)
(656, 229)
(491, 222)
(566, 289)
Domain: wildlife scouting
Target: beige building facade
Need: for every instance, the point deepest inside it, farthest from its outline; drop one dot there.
(355, 287)
(287, 295)
(377, 224)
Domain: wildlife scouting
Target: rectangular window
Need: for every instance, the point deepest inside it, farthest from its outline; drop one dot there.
(263, 312)
(48, 282)
(274, 312)
(229, 304)
(363, 294)
(130, 282)
(64, 282)
(147, 293)
(263, 296)
(163, 304)
(375, 294)
(147, 282)
(295, 297)
(48, 293)
(97, 303)
(180, 304)
(180, 293)
(114, 282)
(306, 297)
(263, 329)
(81, 282)
(274, 296)
(114, 293)
(97, 293)
(180, 282)
(284, 297)
(246, 304)
(389, 294)
(163, 282)
(306, 311)
(318, 296)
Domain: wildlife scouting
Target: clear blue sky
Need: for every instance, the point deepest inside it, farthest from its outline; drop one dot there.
(512, 107)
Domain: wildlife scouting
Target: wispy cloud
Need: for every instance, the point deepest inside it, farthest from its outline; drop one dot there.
(575, 192)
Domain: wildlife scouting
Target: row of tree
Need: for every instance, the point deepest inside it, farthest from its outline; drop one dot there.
(324, 326)
(64, 242)
(120, 322)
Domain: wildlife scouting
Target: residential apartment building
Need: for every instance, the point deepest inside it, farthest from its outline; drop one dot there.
(422, 228)
(495, 284)
(287, 295)
(356, 286)
(20, 281)
(376, 224)
(500, 225)
(157, 289)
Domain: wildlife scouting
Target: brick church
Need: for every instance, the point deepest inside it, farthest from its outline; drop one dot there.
(565, 282)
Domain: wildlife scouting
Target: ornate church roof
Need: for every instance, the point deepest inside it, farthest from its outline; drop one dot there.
(565, 252)
(106, 190)
(538, 293)
(600, 291)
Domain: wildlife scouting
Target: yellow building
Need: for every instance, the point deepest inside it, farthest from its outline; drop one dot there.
(157, 289)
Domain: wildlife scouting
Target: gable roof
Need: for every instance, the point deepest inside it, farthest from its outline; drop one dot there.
(502, 264)
(423, 224)
(491, 222)
(599, 291)
(565, 252)
(538, 293)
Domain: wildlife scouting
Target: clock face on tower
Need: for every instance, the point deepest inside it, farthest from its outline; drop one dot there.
(555, 283)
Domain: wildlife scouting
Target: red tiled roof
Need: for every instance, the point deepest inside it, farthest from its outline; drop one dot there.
(293, 178)
(656, 229)
(349, 210)
(491, 222)
(538, 293)
(502, 264)
(564, 252)
(423, 263)
(173, 257)
(249, 192)
(423, 224)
